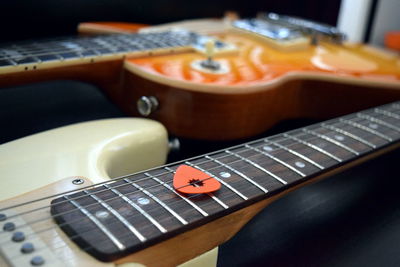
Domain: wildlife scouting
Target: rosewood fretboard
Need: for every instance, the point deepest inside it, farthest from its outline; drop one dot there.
(114, 219)
(75, 50)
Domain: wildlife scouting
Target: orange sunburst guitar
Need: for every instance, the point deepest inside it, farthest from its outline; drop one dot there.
(258, 72)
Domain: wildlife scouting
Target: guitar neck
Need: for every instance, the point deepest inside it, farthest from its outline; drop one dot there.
(73, 50)
(136, 211)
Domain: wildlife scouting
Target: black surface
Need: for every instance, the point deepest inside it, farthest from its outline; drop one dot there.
(34, 108)
(349, 219)
(23, 19)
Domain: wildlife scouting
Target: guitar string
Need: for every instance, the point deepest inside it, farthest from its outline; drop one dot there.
(144, 171)
(20, 49)
(110, 199)
(282, 138)
(120, 237)
(115, 221)
(239, 146)
(130, 192)
(334, 121)
(242, 151)
(147, 178)
(166, 173)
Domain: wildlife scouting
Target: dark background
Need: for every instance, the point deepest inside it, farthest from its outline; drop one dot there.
(350, 219)
(22, 19)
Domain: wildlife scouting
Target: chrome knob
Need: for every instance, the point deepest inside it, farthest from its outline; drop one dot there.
(146, 105)
(174, 145)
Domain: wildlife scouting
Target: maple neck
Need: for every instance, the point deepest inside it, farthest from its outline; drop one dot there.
(136, 211)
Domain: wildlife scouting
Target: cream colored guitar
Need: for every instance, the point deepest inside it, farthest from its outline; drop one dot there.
(101, 150)
(142, 217)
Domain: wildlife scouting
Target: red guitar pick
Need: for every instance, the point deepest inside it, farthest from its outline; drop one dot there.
(189, 180)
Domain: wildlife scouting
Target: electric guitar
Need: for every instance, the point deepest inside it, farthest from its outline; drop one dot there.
(146, 218)
(222, 79)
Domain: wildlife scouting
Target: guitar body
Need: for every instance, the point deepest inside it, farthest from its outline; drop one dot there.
(37, 165)
(31, 184)
(101, 150)
(263, 86)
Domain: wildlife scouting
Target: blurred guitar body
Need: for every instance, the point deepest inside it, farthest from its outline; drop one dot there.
(261, 81)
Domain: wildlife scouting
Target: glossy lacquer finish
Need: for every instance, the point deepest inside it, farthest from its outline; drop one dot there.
(248, 173)
(257, 63)
(263, 86)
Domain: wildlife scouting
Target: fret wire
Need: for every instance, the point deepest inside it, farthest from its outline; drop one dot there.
(171, 163)
(219, 180)
(58, 48)
(327, 138)
(176, 215)
(139, 180)
(257, 166)
(387, 113)
(122, 177)
(238, 173)
(118, 216)
(379, 121)
(294, 153)
(277, 160)
(105, 183)
(46, 50)
(191, 203)
(209, 194)
(313, 147)
(138, 208)
(70, 192)
(46, 53)
(355, 137)
(362, 127)
(107, 43)
(99, 225)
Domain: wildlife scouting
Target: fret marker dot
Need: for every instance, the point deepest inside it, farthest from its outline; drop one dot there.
(321, 145)
(373, 126)
(143, 201)
(268, 148)
(300, 164)
(225, 174)
(339, 137)
(102, 214)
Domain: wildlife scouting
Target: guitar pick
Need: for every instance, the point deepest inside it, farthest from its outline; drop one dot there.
(189, 180)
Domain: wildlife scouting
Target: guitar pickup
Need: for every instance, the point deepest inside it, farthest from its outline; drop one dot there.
(220, 47)
(277, 36)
